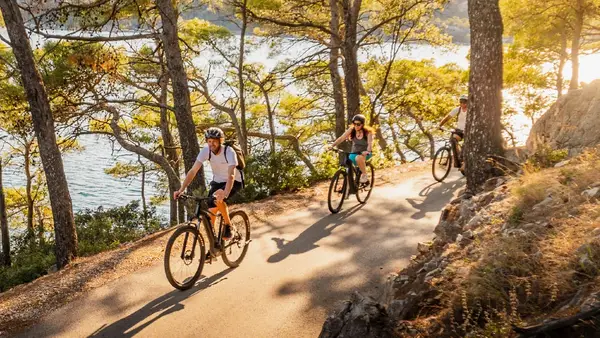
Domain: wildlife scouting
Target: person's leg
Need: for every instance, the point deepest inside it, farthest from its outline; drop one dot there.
(453, 143)
(362, 164)
(212, 206)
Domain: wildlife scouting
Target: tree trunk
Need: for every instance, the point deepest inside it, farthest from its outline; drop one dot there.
(424, 130)
(169, 146)
(351, 74)
(40, 225)
(270, 114)
(562, 62)
(4, 224)
(336, 80)
(397, 145)
(181, 95)
(244, 137)
(43, 125)
(28, 194)
(483, 135)
(575, 45)
(143, 192)
(380, 138)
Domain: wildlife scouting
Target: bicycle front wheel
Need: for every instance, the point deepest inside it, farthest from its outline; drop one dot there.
(442, 163)
(184, 257)
(337, 191)
(363, 192)
(235, 249)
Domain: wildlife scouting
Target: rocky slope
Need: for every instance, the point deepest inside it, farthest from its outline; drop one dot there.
(522, 257)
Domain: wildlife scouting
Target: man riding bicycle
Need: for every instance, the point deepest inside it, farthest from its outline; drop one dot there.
(227, 181)
(458, 134)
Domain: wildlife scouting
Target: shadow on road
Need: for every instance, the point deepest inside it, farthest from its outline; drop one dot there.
(162, 306)
(437, 195)
(307, 240)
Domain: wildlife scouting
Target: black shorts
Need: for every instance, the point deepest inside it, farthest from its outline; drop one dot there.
(460, 133)
(214, 186)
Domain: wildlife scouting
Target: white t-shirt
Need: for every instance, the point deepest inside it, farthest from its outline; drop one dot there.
(462, 117)
(220, 166)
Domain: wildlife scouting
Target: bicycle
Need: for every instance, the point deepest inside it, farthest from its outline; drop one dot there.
(338, 189)
(444, 159)
(187, 245)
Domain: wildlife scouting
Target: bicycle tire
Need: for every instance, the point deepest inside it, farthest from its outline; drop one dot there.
(246, 220)
(360, 191)
(191, 230)
(332, 187)
(439, 156)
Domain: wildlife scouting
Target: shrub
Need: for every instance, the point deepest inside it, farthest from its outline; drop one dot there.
(546, 157)
(269, 174)
(30, 260)
(99, 230)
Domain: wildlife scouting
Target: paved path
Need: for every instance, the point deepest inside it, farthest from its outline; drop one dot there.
(298, 268)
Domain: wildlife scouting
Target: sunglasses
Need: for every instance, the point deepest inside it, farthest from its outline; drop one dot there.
(358, 124)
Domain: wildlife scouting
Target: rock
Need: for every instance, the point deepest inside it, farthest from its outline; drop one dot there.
(52, 269)
(464, 239)
(447, 231)
(543, 204)
(587, 264)
(595, 185)
(360, 317)
(596, 232)
(591, 193)
(474, 222)
(572, 122)
(514, 233)
(429, 276)
(561, 164)
(396, 307)
(424, 247)
(431, 265)
(468, 234)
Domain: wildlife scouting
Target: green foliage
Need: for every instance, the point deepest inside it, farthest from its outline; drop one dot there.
(100, 230)
(30, 260)
(269, 174)
(545, 157)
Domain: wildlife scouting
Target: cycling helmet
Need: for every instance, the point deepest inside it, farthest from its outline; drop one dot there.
(464, 98)
(214, 133)
(360, 118)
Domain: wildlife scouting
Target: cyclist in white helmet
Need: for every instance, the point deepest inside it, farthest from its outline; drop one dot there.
(226, 182)
(459, 133)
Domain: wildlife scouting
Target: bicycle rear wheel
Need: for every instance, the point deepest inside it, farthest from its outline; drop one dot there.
(363, 192)
(442, 163)
(234, 250)
(184, 257)
(337, 191)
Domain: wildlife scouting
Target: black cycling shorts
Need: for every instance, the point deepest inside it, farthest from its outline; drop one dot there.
(214, 186)
(460, 133)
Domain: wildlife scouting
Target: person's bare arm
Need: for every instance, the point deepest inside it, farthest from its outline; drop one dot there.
(444, 120)
(343, 137)
(188, 178)
(370, 140)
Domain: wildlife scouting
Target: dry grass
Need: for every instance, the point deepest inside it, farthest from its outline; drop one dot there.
(516, 279)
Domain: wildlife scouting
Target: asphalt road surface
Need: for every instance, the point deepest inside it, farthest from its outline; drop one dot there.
(299, 267)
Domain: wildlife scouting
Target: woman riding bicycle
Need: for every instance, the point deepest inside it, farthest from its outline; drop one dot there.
(361, 136)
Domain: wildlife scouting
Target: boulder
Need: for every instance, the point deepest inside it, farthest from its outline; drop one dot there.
(572, 122)
(360, 317)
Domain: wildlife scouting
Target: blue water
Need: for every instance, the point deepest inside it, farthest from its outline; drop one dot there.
(89, 185)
